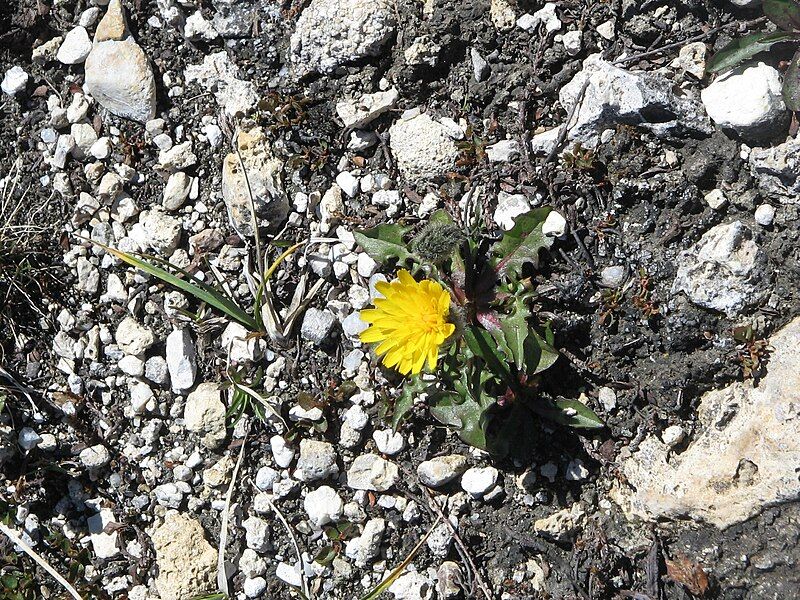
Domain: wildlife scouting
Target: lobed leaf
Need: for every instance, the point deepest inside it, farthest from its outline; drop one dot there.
(539, 354)
(739, 50)
(515, 329)
(522, 243)
(405, 403)
(384, 242)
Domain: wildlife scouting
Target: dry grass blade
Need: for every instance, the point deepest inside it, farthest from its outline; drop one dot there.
(222, 579)
(463, 550)
(304, 589)
(398, 570)
(196, 288)
(40, 561)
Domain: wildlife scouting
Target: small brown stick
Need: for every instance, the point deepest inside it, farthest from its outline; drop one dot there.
(463, 547)
(562, 135)
(696, 38)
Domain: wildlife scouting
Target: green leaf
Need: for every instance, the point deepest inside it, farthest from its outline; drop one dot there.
(200, 290)
(411, 389)
(384, 242)
(325, 555)
(746, 47)
(791, 84)
(784, 13)
(466, 408)
(567, 412)
(463, 413)
(481, 344)
(522, 243)
(515, 331)
(539, 354)
(441, 216)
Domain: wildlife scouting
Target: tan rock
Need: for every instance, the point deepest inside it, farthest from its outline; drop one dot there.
(114, 25)
(205, 414)
(118, 73)
(744, 459)
(561, 524)
(187, 563)
(260, 177)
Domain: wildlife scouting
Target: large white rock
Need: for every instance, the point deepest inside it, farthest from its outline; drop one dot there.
(441, 469)
(187, 563)
(219, 74)
(617, 96)
(725, 270)
(118, 73)
(162, 231)
(748, 101)
(323, 506)
(329, 34)
(422, 147)
(371, 472)
(366, 547)
(262, 171)
(133, 338)
(204, 414)
(317, 461)
(743, 459)
(104, 544)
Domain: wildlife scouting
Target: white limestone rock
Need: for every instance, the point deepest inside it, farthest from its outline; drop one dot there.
(748, 101)
(329, 34)
(263, 174)
(204, 414)
(117, 72)
(742, 459)
(187, 563)
(422, 147)
(724, 271)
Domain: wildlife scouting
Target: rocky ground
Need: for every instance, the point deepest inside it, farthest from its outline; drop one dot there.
(147, 125)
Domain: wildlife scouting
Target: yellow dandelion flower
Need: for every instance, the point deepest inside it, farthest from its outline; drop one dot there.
(409, 322)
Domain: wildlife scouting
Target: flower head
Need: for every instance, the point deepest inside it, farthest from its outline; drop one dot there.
(410, 322)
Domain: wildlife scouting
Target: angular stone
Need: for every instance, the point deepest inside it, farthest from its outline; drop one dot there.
(181, 359)
(118, 73)
(615, 96)
(262, 171)
(371, 472)
(776, 171)
(187, 563)
(204, 414)
(743, 459)
(725, 271)
(422, 147)
(357, 113)
(329, 34)
(748, 101)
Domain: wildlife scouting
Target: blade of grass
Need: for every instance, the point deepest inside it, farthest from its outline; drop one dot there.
(398, 570)
(304, 589)
(222, 579)
(198, 289)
